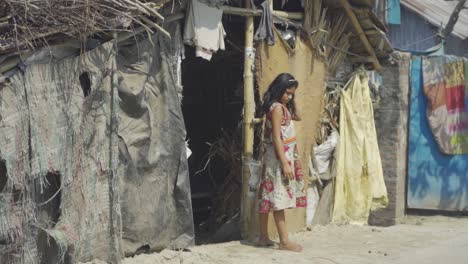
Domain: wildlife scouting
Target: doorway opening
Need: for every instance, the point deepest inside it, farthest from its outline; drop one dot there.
(212, 106)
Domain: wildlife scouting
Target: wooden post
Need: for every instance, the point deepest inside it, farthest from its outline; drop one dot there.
(453, 18)
(362, 35)
(248, 127)
(238, 11)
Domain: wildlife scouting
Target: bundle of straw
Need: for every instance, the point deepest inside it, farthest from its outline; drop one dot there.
(228, 187)
(316, 24)
(30, 22)
(330, 114)
(313, 14)
(338, 41)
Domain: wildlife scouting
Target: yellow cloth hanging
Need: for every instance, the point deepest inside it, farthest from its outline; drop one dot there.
(359, 185)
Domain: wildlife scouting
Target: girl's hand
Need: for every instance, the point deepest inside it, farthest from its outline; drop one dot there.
(287, 171)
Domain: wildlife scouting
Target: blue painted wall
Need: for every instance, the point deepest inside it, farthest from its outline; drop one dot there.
(435, 180)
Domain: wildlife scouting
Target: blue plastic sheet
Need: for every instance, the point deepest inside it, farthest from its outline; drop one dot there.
(435, 180)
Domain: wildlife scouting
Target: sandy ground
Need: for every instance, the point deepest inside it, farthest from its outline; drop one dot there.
(421, 240)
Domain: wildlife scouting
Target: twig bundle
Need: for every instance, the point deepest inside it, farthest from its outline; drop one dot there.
(316, 24)
(338, 41)
(31, 22)
(226, 202)
(330, 114)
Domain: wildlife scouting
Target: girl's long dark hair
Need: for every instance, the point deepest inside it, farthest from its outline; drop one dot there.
(276, 90)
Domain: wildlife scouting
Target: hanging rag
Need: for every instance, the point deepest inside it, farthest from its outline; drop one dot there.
(359, 184)
(265, 28)
(445, 87)
(393, 13)
(204, 29)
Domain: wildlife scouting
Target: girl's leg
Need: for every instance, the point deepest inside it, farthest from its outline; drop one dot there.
(264, 239)
(285, 244)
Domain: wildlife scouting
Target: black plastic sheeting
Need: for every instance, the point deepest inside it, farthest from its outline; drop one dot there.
(106, 127)
(156, 210)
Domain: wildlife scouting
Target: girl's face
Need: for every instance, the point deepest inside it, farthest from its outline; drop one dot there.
(288, 95)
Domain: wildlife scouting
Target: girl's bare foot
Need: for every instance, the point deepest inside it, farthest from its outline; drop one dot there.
(265, 242)
(291, 247)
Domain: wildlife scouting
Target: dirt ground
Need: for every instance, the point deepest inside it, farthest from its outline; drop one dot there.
(421, 240)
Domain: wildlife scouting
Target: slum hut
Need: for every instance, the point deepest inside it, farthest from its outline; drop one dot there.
(420, 175)
(98, 99)
(94, 162)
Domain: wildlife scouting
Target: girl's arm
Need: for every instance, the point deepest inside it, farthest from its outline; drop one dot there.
(297, 113)
(277, 117)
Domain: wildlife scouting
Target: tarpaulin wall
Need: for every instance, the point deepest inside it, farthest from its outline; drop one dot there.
(445, 88)
(62, 133)
(112, 136)
(435, 180)
(157, 209)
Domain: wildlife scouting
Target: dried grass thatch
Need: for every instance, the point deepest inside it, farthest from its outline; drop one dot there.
(338, 40)
(31, 23)
(316, 26)
(226, 201)
(329, 120)
(327, 32)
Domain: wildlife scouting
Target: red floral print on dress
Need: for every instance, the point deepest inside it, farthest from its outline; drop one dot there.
(268, 186)
(298, 171)
(301, 202)
(265, 206)
(283, 193)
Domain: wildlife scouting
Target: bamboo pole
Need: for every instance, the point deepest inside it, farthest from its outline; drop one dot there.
(248, 126)
(289, 15)
(361, 34)
(247, 12)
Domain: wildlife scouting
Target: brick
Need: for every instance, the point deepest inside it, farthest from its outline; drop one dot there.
(391, 117)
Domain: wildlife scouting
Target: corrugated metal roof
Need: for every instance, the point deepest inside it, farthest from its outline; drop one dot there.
(416, 34)
(437, 12)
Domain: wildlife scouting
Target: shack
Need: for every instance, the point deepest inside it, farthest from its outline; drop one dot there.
(421, 176)
(101, 103)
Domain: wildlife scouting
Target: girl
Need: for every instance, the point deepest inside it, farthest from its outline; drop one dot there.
(282, 183)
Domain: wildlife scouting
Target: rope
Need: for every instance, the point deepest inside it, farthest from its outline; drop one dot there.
(345, 51)
(53, 196)
(419, 41)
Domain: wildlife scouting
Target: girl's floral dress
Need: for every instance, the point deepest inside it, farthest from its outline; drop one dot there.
(277, 192)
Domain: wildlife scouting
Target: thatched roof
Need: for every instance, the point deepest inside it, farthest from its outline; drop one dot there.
(375, 31)
(373, 28)
(26, 24)
(31, 23)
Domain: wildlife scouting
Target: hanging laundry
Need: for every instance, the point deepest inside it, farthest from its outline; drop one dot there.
(393, 13)
(204, 29)
(265, 28)
(444, 79)
(359, 184)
